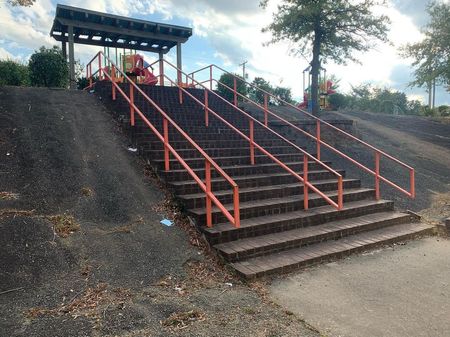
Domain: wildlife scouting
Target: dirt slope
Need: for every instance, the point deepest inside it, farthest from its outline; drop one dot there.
(122, 273)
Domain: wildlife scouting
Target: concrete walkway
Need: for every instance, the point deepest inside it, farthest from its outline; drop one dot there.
(397, 292)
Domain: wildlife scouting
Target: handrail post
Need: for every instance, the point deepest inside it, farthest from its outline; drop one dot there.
(210, 77)
(192, 76)
(161, 72)
(180, 93)
(235, 90)
(318, 138)
(166, 143)
(113, 81)
(340, 193)
(131, 104)
(206, 109)
(208, 191)
(377, 175)
(305, 183)
(265, 109)
(412, 183)
(237, 216)
(252, 144)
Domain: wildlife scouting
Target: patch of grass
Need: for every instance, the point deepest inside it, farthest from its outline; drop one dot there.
(8, 196)
(127, 228)
(249, 311)
(87, 191)
(181, 320)
(15, 212)
(64, 224)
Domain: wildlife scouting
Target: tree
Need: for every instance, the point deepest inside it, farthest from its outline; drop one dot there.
(257, 95)
(330, 29)
(13, 73)
(48, 68)
(24, 3)
(283, 93)
(432, 54)
(228, 80)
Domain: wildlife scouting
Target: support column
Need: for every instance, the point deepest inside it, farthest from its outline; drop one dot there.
(161, 68)
(179, 62)
(72, 81)
(64, 49)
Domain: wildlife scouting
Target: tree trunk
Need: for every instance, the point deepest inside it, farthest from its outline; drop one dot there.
(315, 70)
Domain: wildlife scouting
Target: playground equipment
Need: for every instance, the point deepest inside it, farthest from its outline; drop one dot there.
(136, 67)
(325, 89)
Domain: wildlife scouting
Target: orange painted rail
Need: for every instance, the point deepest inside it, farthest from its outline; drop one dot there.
(378, 154)
(252, 144)
(164, 138)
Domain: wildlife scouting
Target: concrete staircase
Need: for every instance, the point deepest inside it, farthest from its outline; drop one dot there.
(276, 233)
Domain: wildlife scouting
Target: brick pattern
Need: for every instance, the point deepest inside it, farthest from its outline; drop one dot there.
(276, 233)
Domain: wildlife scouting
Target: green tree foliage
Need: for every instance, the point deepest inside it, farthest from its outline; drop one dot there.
(48, 68)
(228, 80)
(23, 3)
(432, 54)
(257, 95)
(379, 100)
(13, 73)
(283, 93)
(329, 29)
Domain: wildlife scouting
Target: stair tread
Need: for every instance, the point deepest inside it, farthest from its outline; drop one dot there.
(231, 157)
(307, 232)
(249, 176)
(226, 226)
(293, 257)
(225, 167)
(263, 188)
(275, 201)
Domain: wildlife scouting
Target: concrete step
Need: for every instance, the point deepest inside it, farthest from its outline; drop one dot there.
(283, 240)
(292, 259)
(278, 206)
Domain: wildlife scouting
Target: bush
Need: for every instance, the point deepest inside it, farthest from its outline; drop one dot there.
(13, 73)
(338, 101)
(82, 83)
(48, 68)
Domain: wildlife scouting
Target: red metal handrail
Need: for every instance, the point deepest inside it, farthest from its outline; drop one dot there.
(378, 153)
(253, 144)
(205, 186)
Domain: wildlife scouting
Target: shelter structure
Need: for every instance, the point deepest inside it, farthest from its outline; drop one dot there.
(77, 25)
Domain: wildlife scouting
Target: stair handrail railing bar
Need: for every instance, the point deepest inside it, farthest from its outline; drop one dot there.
(307, 184)
(378, 153)
(209, 162)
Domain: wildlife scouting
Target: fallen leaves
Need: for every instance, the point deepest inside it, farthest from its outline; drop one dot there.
(64, 224)
(182, 320)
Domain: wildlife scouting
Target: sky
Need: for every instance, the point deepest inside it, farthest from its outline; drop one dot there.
(227, 33)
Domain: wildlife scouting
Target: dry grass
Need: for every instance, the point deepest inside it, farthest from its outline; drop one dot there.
(91, 302)
(182, 320)
(127, 228)
(439, 210)
(8, 196)
(64, 224)
(87, 191)
(15, 212)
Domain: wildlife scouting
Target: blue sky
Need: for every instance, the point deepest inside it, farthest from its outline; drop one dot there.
(227, 33)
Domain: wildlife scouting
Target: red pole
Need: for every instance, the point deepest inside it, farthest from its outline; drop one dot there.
(166, 143)
(412, 183)
(377, 175)
(90, 74)
(208, 191)
(305, 181)
(265, 109)
(237, 217)
(318, 138)
(252, 146)
(131, 104)
(99, 66)
(206, 109)
(340, 193)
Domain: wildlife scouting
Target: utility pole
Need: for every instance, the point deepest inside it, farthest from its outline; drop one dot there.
(243, 68)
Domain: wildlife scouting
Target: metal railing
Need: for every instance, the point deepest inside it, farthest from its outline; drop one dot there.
(164, 138)
(250, 138)
(378, 154)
